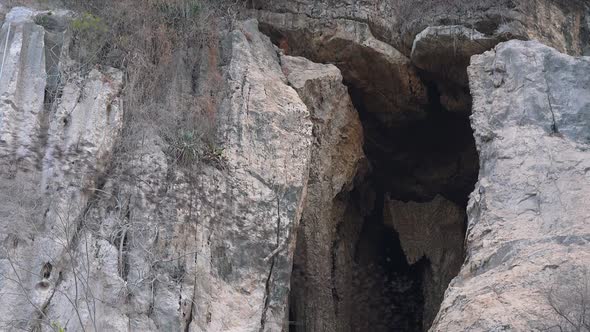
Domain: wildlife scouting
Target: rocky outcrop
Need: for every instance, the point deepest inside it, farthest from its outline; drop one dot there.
(528, 227)
(432, 231)
(52, 153)
(440, 46)
(321, 265)
(348, 274)
(209, 247)
(445, 50)
(389, 81)
(331, 197)
(560, 24)
(245, 236)
(436, 37)
(147, 245)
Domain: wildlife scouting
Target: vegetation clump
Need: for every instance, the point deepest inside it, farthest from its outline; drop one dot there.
(169, 51)
(177, 11)
(88, 24)
(189, 147)
(90, 36)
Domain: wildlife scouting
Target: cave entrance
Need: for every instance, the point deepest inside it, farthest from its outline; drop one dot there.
(385, 288)
(381, 258)
(400, 241)
(411, 242)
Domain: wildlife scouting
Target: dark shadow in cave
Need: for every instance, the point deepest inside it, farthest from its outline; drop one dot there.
(419, 159)
(387, 289)
(414, 161)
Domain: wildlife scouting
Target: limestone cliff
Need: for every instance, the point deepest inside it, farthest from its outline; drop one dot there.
(373, 166)
(528, 227)
(88, 251)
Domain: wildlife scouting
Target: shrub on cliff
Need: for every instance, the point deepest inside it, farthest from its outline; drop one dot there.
(89, 34)
(169, 50)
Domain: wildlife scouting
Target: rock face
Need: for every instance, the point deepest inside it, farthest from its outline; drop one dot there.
(245, 239)
(334, 197)
(386, 76)
(528, 225)
(561, 24)
(396, 51)
(85, 248)
(445, 50)
(52, 153)
(320, 263)
(433, 231)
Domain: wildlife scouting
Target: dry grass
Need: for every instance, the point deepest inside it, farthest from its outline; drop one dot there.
(169, 50)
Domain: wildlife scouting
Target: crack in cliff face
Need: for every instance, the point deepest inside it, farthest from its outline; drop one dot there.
(267, 284)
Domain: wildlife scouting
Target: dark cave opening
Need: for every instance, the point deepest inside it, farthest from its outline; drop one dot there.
(382, 257)
(422, 158)
(386, 289)
(389, 273)
(412, 162)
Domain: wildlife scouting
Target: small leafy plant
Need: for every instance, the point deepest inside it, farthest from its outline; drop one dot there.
(185, 146)
(188, 147)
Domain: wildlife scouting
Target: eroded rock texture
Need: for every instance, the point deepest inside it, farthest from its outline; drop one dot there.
(51, 156)
(147, 245)
(553, 22)
(385, 47)
(219, 237)
(246, 235)
(528, 221)
(405, 66)
(336, 158)
(386, 76)
(336, 198)
(432, 231)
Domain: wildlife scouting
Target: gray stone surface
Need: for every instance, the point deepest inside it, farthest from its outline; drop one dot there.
(93, 241)
(51, 155)
(530, 117)
(438, 37)
(147, 245)
(397, 22)
(445, 50)
(247, 238)
(390, 83)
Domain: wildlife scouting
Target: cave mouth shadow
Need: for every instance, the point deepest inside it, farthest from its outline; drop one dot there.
(386, 274)
(426, 167)
(387, 289)
(410, 163)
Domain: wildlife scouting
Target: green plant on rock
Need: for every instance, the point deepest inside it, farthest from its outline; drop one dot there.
(215, 154)
(88, 25)
(185, 146)
(189, 147)
(57, 327)
(91, 34)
